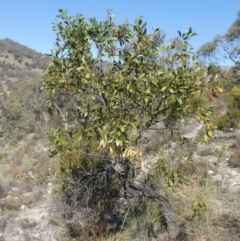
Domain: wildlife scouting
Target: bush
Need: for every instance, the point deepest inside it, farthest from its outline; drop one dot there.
(232, 118)
(222, 122)
(235, 93)
(143, 221)
(111, 105)
(234, 160)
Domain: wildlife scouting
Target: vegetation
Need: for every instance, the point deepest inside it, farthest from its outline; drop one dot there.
(119, 101)
(107, 109)
(224, 47)
(23, 105)
(10, 48)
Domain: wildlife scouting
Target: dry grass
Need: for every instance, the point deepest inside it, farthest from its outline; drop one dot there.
(27, 223)
(3, 190)
(57, 219)
(12, 203)
(222, 222)
(204, 211)
(234, 160)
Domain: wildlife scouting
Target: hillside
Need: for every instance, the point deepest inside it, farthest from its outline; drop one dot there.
(17, 55)
(24, 159)
(23, 105)
(202, 180)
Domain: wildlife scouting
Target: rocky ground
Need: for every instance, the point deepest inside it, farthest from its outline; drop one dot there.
(29, 203)
(30, 206)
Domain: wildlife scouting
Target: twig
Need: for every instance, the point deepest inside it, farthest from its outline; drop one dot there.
(63, 117)
(125, 218)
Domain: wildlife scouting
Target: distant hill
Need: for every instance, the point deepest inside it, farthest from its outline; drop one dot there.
(23, 108)
(225, 69)
(14, 55)
(22, 104)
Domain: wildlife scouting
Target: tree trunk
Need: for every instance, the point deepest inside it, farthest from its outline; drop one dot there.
(172, 226)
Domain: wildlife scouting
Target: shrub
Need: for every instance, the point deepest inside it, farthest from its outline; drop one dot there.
(234, 160)
(3, 191)
(110, 105)
(232, 118)
(223, 122)
(235, 93)
(143, 221)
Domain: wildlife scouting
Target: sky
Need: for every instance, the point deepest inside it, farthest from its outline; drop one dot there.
(29, 21)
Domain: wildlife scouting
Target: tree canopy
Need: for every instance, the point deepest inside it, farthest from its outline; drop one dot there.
(111, 83)
(226, 46)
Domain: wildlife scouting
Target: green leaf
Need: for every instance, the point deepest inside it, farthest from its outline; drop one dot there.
(80, 68)
(164, 88)
(146, 100)
(119, 143)
(123, 128)
(179, 101)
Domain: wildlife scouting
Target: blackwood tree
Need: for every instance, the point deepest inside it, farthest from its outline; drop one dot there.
(110, 83)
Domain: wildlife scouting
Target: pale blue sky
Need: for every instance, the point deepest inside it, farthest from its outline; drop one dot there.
(29, 21)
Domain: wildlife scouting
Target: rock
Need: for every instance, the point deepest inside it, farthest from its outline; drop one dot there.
(220, 134)
(190, 128)
(23, 206)
(210, 172)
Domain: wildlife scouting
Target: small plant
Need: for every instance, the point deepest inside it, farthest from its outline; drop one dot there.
(42, 178)
(223, 122)
(144, 222)
(27, 223)
(235, 93)
(232, 118)
(200, 207)
(172, 175)
(234, 160)
(3, 192)
(12, 203)
(220, 153)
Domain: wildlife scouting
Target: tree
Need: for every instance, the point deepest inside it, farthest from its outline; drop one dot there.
(226, 46)
(111, 83)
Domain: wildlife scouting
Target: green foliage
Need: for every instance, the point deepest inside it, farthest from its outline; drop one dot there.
(223, 123)
(172, 176)
(235, 159)
(40, 179)
(143, 222)
(200, 207)
(21, 113)
(109, 106)
(223, 47)
(197, 102)
(232, 119)
(235, 93)
(18, 52)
